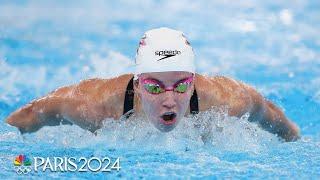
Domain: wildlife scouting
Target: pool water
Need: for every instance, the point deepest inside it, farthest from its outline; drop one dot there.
(274, 47)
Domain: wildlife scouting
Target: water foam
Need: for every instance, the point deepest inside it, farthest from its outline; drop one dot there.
(214, 129)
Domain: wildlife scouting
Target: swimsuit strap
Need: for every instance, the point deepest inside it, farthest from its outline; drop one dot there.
(194, 107)
(129, 98)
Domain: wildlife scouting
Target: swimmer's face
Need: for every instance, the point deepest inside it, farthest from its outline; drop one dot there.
(165, 109)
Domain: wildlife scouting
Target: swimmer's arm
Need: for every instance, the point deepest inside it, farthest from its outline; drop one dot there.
(86, 104)
(272, 118)
(62, 106)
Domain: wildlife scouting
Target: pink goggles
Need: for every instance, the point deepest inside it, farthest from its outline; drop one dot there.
(155, 87)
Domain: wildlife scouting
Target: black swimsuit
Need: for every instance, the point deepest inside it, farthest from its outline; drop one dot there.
(129, 97)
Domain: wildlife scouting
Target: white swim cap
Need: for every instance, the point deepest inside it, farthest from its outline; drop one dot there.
(162, 50)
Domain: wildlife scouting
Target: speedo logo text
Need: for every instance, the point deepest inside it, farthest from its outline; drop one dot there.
(167, 53)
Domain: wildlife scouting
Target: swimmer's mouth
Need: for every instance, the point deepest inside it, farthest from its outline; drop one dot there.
(169, 118)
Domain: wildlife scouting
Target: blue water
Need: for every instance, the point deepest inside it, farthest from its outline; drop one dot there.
(273, 46)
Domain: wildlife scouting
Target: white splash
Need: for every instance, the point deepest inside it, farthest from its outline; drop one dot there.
(214, 129)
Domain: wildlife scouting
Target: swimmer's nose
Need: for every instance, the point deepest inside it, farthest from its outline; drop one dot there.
(169, 101)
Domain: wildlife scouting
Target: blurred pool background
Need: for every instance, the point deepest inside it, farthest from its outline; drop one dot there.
(271, 45)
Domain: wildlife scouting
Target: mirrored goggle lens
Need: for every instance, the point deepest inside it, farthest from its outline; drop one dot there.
(153, 88)
(181, 88)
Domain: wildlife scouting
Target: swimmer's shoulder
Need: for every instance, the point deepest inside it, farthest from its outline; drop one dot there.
(96, 87)
(222, 84)
(223, 91)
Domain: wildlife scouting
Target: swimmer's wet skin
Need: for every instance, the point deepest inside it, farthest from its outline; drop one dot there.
(164, 101)
(101, 99)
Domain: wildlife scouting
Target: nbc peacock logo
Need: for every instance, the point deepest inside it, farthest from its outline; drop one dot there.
(22, 164)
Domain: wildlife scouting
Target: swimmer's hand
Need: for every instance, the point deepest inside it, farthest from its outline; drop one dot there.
(24, 119)
(32, 117)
